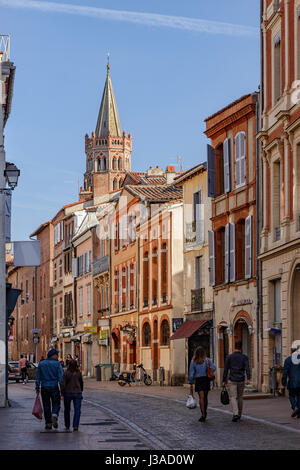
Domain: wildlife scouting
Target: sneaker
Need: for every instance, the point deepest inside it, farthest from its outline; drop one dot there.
(295, 413)
(75, 429)
(235, 418)
(48, 426)
(202, 419)
(55, 422)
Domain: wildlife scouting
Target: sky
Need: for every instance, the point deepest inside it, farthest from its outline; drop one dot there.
(172, 64)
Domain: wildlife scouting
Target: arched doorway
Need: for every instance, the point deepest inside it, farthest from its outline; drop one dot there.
(242, 329)
(155, 345)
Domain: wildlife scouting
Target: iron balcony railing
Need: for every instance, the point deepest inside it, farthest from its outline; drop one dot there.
(100, 265)
(197, 299)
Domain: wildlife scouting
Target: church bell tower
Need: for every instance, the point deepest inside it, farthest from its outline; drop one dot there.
(108, 150)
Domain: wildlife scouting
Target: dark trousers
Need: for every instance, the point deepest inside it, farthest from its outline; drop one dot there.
(294, 396)
(51, 402)
(76, 398)
(24, 373)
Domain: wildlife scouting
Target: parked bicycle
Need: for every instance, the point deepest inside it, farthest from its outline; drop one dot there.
(130, 377)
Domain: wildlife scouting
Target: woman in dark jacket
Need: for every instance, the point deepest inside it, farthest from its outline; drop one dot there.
(71, 390)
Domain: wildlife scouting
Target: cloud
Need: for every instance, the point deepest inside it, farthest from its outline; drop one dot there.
(149, 19)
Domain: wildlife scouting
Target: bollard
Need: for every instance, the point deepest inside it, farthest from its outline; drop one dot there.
(161, 376)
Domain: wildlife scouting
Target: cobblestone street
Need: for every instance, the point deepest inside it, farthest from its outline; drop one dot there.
(147, 418)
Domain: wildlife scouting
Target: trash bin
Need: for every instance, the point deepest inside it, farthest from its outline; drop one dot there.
(106, 372)
(98, 372)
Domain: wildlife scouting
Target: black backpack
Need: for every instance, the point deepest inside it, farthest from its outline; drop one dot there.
(225, 397)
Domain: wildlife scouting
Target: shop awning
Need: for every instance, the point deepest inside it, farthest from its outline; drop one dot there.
(188, 328)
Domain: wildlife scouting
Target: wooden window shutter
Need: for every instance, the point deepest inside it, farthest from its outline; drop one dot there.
(226, 163)
(243, 157)
(227, 253)
(232, 252)
(237, 161)
(212, 266)
(248, 247)
(211, 179)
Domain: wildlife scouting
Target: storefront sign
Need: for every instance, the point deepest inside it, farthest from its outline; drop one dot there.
(242, 302)
(103, 333)
(90, 329)
(176, 323)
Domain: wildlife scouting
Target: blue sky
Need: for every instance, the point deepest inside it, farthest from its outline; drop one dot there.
(168, 75)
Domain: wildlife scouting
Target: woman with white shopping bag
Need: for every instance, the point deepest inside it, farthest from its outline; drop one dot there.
(201, 371)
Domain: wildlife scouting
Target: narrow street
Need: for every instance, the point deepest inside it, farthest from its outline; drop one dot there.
(118, 419)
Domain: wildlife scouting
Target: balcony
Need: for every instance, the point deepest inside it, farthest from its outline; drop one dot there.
(101, 265)
(197, 300)
(194, 233)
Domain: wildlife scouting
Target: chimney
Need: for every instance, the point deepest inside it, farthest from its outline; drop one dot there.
(170, 174)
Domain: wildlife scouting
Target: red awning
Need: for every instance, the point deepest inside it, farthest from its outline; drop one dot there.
(188, 328)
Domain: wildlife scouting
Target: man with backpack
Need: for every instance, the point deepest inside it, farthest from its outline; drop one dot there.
(238, 365)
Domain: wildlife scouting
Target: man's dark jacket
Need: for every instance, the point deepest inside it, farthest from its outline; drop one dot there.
(291, 371)
(238, 364)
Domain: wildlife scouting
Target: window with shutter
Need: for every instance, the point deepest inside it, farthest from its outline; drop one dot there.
(211, 242)
(120, 288)
(248, 247)
(74, 267)
(240, 159)
(232, 252)
(227, 252)
(226, 162)
(211, 183)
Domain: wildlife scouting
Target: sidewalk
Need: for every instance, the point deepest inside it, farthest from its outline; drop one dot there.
(98, 430)
(273, 410)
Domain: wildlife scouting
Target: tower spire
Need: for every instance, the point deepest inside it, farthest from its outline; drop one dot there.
(108, 117)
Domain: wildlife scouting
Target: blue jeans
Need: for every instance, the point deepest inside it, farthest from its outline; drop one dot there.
(50, 397)
(294, 396)
(76, 398)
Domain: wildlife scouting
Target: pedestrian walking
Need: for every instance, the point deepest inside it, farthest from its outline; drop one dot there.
(49, 376)
(198, 373)
(238, 365)
(291, 380)
(23, 363)
(71, 390)
(68, 359)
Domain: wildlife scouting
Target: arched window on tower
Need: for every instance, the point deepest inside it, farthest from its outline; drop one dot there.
(115, 184)
(115, 164)
(120, 163)
(104, 164)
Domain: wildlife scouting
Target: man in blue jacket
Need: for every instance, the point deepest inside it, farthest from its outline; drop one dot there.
(291, 379)
(49, 376)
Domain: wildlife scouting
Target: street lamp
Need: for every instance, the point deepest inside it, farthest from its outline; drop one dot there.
(11, 174)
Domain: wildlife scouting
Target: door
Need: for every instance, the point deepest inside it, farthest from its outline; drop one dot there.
(200, 338)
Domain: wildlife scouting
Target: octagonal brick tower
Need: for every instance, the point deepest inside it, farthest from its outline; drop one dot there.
(108, 150)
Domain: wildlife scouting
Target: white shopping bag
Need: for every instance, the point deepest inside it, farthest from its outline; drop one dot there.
(191, 402)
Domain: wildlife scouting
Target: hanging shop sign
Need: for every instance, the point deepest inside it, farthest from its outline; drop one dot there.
(90, 329)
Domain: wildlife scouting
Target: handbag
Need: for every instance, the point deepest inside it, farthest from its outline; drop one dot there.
(224, 396)
(37, 410)
(191, 402)
(209, 372)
